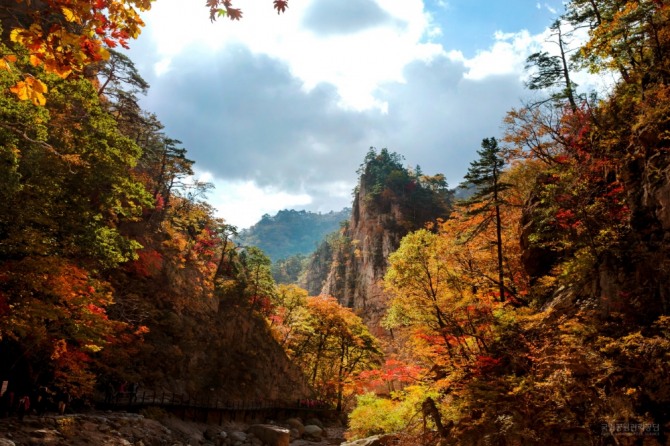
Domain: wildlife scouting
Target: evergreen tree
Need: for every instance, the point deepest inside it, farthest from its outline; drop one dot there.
(484, 174)
(553, 71)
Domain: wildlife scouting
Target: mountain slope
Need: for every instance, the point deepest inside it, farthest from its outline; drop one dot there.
(291, 232)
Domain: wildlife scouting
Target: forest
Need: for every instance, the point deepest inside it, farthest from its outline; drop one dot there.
(534, 311)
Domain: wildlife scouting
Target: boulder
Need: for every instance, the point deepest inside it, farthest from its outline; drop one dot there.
(210, 433)
(296, 423)
(238, 436)
(270, 434)
(375, 440)
(314, 422)
(313, 433)
(295, 434)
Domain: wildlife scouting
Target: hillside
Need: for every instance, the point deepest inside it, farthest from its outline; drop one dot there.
(291, 232)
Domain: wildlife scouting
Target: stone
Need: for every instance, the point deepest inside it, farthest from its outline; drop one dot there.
(296, 423)
(295, 433)
(211, 433)
(375, 440)
(270, 434)
(314, 422)
(312, 432)
(44, 433)
(236, 436)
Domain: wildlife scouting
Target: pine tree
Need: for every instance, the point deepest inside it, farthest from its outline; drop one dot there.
(484, 174)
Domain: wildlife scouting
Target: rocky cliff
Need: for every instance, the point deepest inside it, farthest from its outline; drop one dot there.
(389, 201)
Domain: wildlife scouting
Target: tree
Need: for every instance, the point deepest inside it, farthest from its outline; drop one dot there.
(485, 174)
(440, 296)
(553, 70)
(257, 278)
(627, 36)
(218, 8)
(328, 341)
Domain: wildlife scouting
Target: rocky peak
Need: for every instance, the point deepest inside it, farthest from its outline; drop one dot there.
(389, 202)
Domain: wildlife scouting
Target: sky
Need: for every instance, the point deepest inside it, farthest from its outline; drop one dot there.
(278, 111)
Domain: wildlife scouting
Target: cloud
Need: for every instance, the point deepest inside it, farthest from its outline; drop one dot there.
(282, 116)
(328, 17)
(506, 56)
(439, 117)
(248, 118)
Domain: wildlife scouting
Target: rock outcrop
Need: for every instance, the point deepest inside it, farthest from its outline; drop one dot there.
(389, 202)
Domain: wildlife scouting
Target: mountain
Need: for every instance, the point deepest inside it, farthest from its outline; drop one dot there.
(291, 232)
(389, 202)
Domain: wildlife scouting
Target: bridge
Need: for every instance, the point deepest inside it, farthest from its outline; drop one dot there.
(211, 410)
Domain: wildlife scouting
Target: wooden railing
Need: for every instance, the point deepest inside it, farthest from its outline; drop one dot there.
(169, 399)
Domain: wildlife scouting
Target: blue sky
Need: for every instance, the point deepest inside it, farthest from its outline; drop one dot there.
(279, 111)
(470, 24)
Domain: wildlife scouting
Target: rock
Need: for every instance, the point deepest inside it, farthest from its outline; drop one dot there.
(238, 436)
(314, 422)
(211, 434)
(376, 440)
(270, 434)
(6, 442)
(313, 432)
(296, 423)
(44, 433)
(295, 433)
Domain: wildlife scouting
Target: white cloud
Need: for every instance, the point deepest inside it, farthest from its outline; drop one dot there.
(355, 63)
(243, 203)
(282, 114)
(506, 56)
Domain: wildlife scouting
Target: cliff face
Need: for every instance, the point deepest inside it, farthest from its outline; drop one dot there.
(221, 349)
(643, 272)
(359, 265)
(630, 270)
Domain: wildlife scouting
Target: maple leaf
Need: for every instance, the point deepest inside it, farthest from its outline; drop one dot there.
(280, 5)
(234, 13)
(70, 15)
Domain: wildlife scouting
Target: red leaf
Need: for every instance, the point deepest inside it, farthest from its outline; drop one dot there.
(280, 5)
(234, 13)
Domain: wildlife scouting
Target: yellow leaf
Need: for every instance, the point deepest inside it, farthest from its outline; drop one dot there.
(38, 98)
(4, 65)
(69, 14)
(20, 90)
(34, 60)
(103, 53)
(32, 89)
(38, 85)
(15, 35)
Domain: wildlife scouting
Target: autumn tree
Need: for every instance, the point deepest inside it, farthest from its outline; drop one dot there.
(328, 341)
(436, 295)
(67, 190)
(485, 175)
